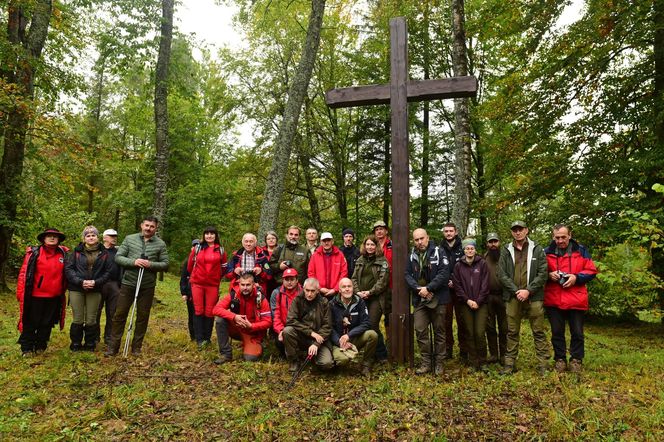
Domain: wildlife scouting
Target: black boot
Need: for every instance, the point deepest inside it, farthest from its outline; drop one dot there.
(209, 326)
(91, 337)
(199, 326)
(76, 336)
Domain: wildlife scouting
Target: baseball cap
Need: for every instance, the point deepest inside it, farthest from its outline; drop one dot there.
(289, 272)
(379, 223)
(492, 236)
(110, 232)
(518, 223)
(326, 235)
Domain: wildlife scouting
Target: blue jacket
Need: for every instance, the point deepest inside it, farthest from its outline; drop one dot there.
(356, 312)
(436, 274)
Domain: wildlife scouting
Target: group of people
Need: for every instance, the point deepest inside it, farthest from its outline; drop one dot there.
(317, 301)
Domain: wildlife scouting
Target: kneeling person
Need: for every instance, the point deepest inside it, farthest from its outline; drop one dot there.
(351, 328)
(308, 327)
(244, 314)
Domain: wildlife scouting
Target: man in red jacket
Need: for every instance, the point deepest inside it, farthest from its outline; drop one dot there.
(566, 296)
(328, 266)
(281, 299)
(243, 314)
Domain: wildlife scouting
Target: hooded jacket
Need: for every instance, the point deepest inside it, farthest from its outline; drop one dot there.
(280, 302)
(357, 315)
(328, 278)
(380, 269)
(255, 307)
(536, 271)
(76, 269)
(579, 263)
(436, 274)
(206, 265)
(310, 316)
(471, 280)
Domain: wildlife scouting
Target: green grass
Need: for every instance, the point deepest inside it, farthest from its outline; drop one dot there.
(174, 392)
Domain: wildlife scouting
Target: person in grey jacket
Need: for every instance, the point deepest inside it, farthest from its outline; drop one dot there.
(522, 271)
(139, 250)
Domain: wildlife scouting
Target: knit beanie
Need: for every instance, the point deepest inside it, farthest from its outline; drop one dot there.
(468, 242)
(89, 229)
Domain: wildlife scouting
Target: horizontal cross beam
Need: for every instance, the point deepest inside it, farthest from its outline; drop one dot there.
(418, 90)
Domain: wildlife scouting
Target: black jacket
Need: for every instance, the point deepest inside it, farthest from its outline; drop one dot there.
(436, 274)
(351, 254)
(76, 269)
(356, 312)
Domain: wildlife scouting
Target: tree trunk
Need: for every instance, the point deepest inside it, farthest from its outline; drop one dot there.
(19, 70)
(161, 111)
(96, 127)
(462, 146)
(658, 51)
(274, 186)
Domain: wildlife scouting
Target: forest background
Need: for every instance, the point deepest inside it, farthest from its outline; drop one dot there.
(567, 126)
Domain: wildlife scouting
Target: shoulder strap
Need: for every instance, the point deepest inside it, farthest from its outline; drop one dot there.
(196, 250)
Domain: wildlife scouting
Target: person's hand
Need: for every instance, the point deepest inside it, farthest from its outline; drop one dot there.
(450, 283)
(241, 321)
(425, 293)
(554, 276)
(522, 294)
(280, 337)
(363, 294)
(330, 293)
(184, 298)
(318, 338)
(472, 304)
(257, 270)
(144, 263)
(570, 282)
(343, 341)
(283, 265)
(313, 350)
(88, 284)
(238, 271)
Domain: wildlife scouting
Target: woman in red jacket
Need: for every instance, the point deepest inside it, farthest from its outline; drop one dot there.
(207, 263)
(41, 291)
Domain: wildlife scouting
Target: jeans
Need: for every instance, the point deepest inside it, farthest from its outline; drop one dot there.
(557, 319)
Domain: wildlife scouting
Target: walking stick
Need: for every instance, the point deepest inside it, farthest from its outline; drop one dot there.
(125, 350)
(298, 372)
(431, 347)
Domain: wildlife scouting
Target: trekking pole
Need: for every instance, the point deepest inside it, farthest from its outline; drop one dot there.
(431, 347)
(125, 350)
(299, 372)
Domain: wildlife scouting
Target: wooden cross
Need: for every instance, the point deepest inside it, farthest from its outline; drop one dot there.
(398, 93)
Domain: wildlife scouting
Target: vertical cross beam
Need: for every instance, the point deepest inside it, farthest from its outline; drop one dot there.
(401, 341)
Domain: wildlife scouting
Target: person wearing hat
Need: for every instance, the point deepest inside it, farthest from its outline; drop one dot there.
(110, 290)
(351, 329)
(349, 249)
(139, 250)
(328, 266)
(381, 231)
(427, 274)
(290, 255)
(280, 301)
(88, 268)
(471, 284)
(40, 291)
(522, 271)
(496, 327)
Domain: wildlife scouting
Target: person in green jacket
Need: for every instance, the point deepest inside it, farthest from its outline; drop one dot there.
(139, 250)
(522, 270)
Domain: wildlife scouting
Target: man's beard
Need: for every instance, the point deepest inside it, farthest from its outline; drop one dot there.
(292, 242)
(493, 254)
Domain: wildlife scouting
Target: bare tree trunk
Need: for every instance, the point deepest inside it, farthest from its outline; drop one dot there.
(274, 187)
(462, 189)
(18, 68)
(96, 128)
(161, 111)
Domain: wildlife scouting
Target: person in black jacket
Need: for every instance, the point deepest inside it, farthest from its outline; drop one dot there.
(350, 250)
(87, 269)
(351, 328)
(110, 290)
(185, 292)
(427, 275)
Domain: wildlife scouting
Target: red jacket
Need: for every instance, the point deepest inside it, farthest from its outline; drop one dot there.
(284, 298)
(579, 264)
(387, 252)
(42, 275)
(261, 261)
(260, 317)
(337, 268)
(207, 266)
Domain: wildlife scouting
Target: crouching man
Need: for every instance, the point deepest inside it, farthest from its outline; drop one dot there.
(351, 328)
(308, 327)
(243, 314)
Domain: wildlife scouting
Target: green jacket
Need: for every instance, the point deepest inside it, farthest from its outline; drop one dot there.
(381, 275)
(131, 249)
(537, 272)
(297, 254)
(310, 316)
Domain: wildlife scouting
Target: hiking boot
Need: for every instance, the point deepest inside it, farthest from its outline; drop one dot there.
(366, 371)
(425, 367)
(28, 353)
(561, 366)
(293, 366)
(109, 353)
(507, 370)
(222, 360)
(75, 346)
(136, 351)
(575, 366)
(439, 369)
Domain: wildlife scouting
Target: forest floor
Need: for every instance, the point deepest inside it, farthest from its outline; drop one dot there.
(174, 392)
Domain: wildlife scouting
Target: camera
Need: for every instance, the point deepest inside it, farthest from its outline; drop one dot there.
(288, 263)
(564, 277)
(235, 306)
